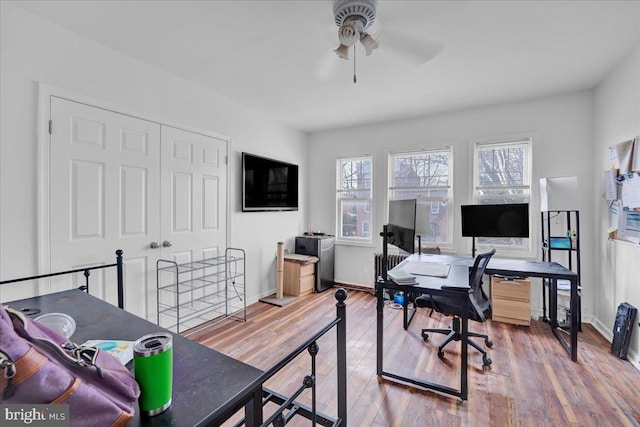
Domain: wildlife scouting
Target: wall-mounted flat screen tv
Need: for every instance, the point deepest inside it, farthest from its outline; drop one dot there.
(504, 220)
(268, 184)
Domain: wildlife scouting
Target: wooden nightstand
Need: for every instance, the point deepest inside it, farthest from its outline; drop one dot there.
(299, 274)
(511, 300)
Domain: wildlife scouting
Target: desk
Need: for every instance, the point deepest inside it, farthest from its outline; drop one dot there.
(455, 285)
(518, 267)
(507, 267)
(208, 387)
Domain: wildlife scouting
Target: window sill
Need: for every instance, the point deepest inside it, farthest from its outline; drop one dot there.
(354, 243)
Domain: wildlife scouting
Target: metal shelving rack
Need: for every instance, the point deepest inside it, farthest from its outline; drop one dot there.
(195, 295)
(571, 249)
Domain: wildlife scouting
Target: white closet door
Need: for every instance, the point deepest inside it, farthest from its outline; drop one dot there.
(193, 219)
(104, 195)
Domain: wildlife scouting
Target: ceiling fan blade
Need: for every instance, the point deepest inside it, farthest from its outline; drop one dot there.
(411, 48)
(327, 67)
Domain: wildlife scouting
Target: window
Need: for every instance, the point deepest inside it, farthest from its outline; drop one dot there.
(354, 199)
(502, 174)
(426, 175)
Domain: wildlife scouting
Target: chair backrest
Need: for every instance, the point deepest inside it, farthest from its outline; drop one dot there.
(479, 300)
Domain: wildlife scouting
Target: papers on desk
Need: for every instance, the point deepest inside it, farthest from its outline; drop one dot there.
(407, 274)
(121, 350)
(402, 277)
(433, 269)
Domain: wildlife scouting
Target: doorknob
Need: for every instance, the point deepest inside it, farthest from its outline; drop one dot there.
(154, 245)
(166, 244)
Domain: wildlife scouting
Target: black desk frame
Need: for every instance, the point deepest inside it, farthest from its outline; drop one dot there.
(546, 270)
(461, 293)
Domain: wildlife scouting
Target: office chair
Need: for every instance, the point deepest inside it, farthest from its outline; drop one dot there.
(479, 309)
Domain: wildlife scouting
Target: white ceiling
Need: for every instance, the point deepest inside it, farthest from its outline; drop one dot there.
(275, 56)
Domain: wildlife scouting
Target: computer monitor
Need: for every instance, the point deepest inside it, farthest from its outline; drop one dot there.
(503, 220)
(402, 222)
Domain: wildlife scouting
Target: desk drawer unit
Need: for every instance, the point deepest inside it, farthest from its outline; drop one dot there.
(298, 278)
(511, 300)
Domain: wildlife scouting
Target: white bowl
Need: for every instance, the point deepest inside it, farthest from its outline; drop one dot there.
(59, 322)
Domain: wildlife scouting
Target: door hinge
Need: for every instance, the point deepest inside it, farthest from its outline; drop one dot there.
(50, 127)
(226, 160)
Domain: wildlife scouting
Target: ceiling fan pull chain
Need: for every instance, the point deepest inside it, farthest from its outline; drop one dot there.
(354, 65)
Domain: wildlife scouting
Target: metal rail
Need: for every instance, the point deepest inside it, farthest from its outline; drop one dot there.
(280, 417)
(87, 272)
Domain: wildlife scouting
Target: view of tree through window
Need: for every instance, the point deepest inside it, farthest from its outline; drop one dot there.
(354, 198)
(502, 175)
(425, 175)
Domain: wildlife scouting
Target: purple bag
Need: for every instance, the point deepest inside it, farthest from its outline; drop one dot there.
(39, 365)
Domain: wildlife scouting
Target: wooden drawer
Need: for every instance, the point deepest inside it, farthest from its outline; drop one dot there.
(518, 312)
(299, 278)
(511, 300)
(306, 284)
(307, 270)
(511, 289)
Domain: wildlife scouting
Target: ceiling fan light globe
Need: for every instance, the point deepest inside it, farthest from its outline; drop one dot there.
(342, 51)
(348, 34)
(369, 43)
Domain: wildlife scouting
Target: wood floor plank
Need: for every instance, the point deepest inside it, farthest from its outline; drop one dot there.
(532, 380)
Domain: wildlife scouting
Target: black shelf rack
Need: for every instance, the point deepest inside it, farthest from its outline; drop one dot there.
(567, 244)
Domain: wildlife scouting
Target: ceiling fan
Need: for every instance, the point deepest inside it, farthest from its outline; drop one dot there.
(355, 18)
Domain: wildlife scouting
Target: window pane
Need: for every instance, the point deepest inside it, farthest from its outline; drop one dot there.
(354, 198)
(501, 166)
(420, 170)
(411, 174)
(356, 218)
(355, 174)
(438, 223)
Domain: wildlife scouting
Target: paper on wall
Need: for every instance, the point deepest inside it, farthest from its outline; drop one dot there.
(610, 184)
(635, 164)
(630, 224)
(614, 211)
(613, 157)
(631, 191)
(624, 151)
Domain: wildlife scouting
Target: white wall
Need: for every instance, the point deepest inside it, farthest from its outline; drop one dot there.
(34, 50)
(617, 118)
(561, 127)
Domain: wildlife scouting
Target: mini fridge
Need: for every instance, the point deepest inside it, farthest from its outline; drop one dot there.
(321, 247)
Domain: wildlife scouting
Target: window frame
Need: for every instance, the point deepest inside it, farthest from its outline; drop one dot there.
(526, 197)
(449, 199)
(353, 240)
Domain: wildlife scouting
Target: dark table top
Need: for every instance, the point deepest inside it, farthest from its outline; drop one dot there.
(206, 384)
(504, 266)
(457, 279)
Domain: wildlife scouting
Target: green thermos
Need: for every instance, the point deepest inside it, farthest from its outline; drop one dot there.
(153, 367)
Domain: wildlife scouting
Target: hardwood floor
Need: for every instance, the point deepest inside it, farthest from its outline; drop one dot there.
(532, 380)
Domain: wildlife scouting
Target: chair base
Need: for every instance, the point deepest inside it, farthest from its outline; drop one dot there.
(454, 334)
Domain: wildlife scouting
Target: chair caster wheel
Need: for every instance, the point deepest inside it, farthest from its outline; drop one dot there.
(441, 354)
(488, 343)
(425, 337)
(486, 361)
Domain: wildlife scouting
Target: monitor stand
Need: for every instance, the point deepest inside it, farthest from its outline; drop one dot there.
(473, 247)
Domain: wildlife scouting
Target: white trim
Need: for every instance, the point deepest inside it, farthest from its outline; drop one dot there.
(45, 92)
